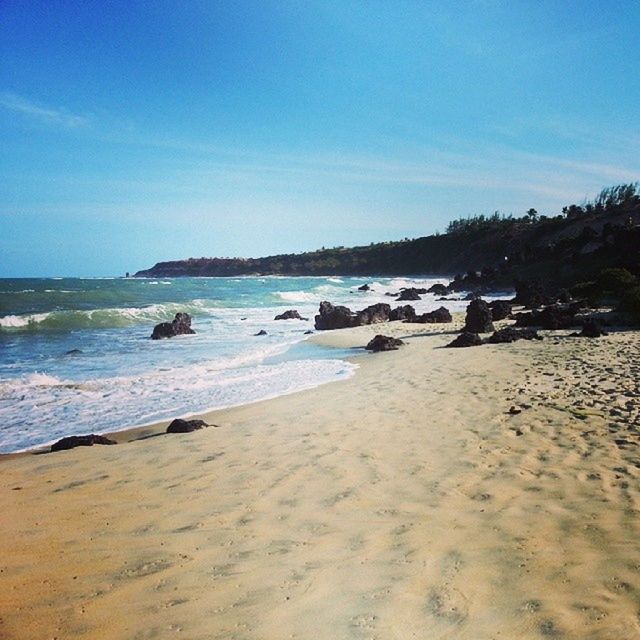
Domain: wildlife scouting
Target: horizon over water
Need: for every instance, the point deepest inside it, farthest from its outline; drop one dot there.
(75, 353)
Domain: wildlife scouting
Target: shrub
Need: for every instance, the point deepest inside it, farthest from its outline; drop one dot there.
(631, 303)
(616, 281)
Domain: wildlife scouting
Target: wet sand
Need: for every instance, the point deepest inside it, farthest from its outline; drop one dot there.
(405, 502)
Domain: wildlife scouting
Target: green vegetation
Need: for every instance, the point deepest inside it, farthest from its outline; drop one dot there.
(571, 247)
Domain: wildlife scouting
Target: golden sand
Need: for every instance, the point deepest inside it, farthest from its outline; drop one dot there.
(405, 502)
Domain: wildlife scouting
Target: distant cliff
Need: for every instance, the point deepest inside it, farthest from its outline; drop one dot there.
(581, 239)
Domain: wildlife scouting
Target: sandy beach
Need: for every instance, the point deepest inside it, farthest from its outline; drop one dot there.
(404, 502)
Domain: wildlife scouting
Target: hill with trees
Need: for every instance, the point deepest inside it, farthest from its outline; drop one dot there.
(571, 246)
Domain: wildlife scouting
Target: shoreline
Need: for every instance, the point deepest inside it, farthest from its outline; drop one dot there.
(406, 500)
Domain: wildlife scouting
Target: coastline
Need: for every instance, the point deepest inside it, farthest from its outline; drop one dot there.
(403, 501)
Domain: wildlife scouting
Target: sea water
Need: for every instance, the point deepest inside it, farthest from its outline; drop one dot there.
(75, 354)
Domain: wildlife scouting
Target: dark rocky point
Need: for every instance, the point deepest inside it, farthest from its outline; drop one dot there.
(364, 287)
(80, 441)
(180, 325)
(384, 343)
(466, 339)
(290, 314)
(478, 319)
(262, 332)
(185, 426)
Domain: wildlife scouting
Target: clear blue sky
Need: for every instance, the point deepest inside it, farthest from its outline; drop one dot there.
(133, 132)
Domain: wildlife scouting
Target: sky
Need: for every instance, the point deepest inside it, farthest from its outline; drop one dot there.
(133, 132)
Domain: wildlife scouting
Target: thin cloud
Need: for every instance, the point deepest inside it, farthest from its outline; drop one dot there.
(58, 117)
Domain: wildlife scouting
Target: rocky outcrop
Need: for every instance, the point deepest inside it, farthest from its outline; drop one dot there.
(185, 426)
(438, 289)
(384, 343)
(552, 317)
(466, 339)
(71, 442)
(591, 328)
(375, 314)
(439, 315)
(500, 309)
(406, 312)
(511, 334)
(364, 287)
(262, 332)
(290, 314)
(338, 317)
(410, 294)
(181, 324)
(478, 318)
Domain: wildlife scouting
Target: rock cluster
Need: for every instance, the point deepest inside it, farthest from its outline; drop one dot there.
(290, 314)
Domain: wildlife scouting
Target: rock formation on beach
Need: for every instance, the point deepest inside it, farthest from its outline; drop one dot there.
(70, 442)
(290, 314)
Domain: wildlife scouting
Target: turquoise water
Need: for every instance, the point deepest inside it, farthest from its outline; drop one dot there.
(75, 354)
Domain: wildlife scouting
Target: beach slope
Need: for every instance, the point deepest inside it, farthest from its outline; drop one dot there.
(405, 502)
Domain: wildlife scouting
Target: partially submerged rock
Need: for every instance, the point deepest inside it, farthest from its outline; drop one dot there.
(290, 314)
(384, 343)
(181, 324)
(185, 426)
(410, 294)
(438, 289)
(89, 440)
(364, 287)
(466, 339)
(262, 332)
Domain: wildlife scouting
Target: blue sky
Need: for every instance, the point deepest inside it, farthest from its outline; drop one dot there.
(134, 132)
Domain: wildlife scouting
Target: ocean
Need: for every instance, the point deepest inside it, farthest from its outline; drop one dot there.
(75, 353)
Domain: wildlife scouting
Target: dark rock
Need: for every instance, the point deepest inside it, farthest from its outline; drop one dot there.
(472, 295)
(511, 334)
(406, 312)
(439, 315)
(185, 426)
(375, 314)
(466, 339)
(73, 352)
(529, 294)
(552, 317)
(438, 289)
(80, 441)
(514, 411)
(290, 314)
(478, 319)
(409, 294)
(500, 309)
(384, 343)
(262, 332)
(308, 333)
(364, 287)
(592, 329)
(339, 317)
(180, 325)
